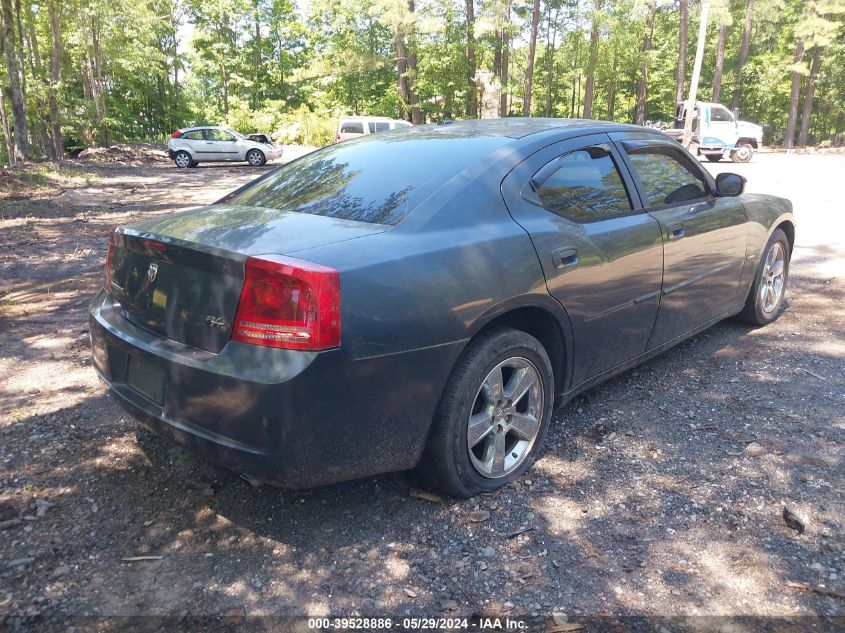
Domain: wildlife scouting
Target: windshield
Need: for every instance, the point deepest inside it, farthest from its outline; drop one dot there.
(369, 180)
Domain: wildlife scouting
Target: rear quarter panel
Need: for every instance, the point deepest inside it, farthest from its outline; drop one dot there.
(403, 290)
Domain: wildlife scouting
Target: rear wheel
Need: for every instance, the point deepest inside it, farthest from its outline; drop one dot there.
(255, 157)
(742, 153)
(183, 159)
(765, 299)
(493, 416)
(713, 158)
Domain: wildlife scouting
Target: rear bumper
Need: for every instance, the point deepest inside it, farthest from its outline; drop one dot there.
(290, 418)
(171, 154)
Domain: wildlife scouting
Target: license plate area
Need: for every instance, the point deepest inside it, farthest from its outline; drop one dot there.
(145, 378)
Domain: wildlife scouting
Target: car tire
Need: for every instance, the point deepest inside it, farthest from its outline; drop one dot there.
(183, 159)
(766, 296)
(713, 158)
(742, 153)
(255, 157)
(464, 459)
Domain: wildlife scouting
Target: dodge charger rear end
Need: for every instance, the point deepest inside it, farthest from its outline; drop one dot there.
(424, 297)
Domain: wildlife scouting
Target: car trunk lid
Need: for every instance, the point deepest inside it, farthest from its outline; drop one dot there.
(181, 276)
(184, 293)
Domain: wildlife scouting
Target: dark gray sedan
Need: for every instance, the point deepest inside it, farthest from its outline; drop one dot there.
(425, 297)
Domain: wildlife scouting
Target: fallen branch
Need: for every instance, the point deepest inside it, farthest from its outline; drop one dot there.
(134, 559)
(9, 523)
(803, 586)
(815, 375)
(519, 531)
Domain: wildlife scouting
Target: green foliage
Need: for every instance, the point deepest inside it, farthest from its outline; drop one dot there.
(135, 70)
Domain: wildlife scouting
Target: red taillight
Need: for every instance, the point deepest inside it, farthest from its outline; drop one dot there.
(109, 257)
(176, 134)
(337, 138)
(289, 303)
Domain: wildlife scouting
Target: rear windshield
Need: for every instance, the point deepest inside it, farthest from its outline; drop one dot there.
(368, 180)
(352, 128)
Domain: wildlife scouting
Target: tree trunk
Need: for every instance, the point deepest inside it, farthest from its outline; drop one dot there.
(4, 123)
(696, 73)
(55, 76)
(401, 74)
(642, 85)
(681, 76)
(743, 54)
(472, 91)
(611, 85)
(42, 127)
(809, 94)
(413, 97)
(503, 108)
(720, 63)
(550, 53)
(21, 149)
(529, 65)
(789, 137)
(256, 57)
(591, 63)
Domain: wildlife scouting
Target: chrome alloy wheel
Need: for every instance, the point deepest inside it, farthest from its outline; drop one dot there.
(771, 282)
(183, 160)
(505, 418)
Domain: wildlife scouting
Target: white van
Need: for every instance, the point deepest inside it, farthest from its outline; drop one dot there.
(354, 126)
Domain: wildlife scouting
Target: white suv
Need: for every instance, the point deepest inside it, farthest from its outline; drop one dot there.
(354, 126)
(200, 144)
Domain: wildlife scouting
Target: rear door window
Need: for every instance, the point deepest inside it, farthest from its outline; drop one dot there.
(195, 135)
(583, 185)
(353, 127)
(668, 177)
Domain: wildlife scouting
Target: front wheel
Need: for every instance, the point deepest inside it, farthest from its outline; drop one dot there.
(255, 157)
(742, 153)
(493, 415)
(765, 298)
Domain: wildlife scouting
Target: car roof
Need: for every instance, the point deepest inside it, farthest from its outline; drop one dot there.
(520, 127)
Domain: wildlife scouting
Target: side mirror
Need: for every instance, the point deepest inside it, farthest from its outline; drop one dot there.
(728, 185)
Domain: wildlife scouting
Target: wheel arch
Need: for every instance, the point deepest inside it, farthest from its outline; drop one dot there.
(788, 227)
(746, 140)
(545, 320)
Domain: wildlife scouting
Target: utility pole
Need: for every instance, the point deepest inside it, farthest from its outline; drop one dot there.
(696, 72)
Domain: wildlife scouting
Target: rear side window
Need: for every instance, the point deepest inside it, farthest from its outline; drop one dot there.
(583, 185)
(353, 127)
(378, 126)
(666, 176)
(370, 180)
(195, 135)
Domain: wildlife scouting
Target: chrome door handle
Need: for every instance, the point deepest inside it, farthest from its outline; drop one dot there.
(701, 206)
(675, 231)
(566, 257)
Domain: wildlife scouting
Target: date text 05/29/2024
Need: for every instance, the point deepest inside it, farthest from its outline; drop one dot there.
(417, 624)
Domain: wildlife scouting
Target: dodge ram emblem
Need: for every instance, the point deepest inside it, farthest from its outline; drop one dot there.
(152, 271)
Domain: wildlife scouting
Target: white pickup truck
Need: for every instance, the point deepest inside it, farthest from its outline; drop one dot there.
(715, 130)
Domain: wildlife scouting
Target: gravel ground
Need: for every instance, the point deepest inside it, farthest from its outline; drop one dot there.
(660, 493)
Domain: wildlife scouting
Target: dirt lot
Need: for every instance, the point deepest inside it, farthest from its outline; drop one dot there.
(660, 493)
